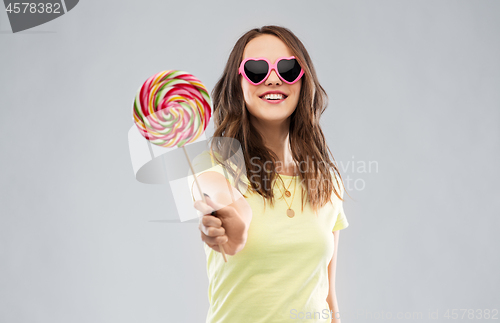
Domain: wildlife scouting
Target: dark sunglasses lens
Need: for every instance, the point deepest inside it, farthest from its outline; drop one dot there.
(289, 69)
(256, 71)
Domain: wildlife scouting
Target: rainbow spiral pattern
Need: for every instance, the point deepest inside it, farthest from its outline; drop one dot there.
(172, 108)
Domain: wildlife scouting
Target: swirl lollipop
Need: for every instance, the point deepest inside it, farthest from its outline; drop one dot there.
(172, 108)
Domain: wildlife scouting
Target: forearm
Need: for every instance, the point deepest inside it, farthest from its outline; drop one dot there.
(334, 308)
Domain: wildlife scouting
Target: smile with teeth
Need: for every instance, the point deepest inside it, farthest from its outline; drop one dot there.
(274, 96)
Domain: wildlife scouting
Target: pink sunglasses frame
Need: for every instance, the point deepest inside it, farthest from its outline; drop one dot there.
(274, 67)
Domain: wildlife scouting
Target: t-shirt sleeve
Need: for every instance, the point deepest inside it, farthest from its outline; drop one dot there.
(341, 222)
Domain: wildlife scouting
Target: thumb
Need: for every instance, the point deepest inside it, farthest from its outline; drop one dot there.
(214, 205)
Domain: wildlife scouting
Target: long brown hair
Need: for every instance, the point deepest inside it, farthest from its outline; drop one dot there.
(307, 141)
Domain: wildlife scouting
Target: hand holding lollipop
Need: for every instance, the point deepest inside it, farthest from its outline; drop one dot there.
(172, 108)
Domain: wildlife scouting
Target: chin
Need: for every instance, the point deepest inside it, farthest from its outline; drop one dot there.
(270, 117)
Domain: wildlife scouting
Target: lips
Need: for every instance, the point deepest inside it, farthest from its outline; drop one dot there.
(273, 92)
(273, 101)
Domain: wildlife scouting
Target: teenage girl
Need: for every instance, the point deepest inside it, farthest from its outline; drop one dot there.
(281, 235)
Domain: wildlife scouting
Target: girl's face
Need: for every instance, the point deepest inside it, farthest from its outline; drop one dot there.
(267, 110)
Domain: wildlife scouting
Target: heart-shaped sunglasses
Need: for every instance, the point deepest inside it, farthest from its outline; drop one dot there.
(257, 70)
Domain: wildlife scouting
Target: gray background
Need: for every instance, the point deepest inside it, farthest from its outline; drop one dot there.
(413, 85)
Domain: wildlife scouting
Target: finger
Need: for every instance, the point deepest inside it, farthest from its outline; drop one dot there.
(211, 221)
(211, 231)
(213, 241)
(208, 221)
(202, 207)
(211, 203)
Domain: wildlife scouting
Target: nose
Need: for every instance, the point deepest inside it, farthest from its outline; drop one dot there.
(273, 78)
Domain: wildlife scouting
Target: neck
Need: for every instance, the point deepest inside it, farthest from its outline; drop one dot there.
(276, 138)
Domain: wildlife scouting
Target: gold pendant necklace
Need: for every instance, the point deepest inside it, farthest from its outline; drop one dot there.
(289, 212)
(287, 192)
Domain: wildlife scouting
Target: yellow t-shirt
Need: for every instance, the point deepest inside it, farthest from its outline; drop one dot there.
(281, 275)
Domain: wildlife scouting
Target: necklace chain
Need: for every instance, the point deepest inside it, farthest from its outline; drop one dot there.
(289, 212)
(287, 191)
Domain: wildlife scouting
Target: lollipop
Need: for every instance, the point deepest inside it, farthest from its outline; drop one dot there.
(172, 108)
